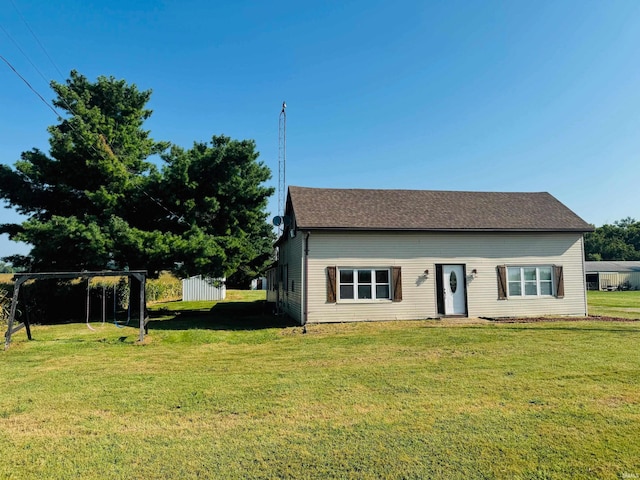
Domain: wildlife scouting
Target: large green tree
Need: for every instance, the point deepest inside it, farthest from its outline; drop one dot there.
(96, 200)
(619, 241)
(217, 190)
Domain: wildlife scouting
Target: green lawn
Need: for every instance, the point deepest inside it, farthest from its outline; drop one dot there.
(227, 391)
(614, 304)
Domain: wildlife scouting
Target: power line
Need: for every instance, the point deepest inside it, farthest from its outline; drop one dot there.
(172, 214)
(179, 218)
(24, 53)
(69, 107)
(37, 40)
(31, 88)
(42, 48)
(64, 100)
(57, 114)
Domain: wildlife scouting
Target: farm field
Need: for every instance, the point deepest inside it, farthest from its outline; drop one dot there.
(227, 391)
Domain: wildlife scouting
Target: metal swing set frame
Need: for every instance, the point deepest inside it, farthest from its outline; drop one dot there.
(20, 278)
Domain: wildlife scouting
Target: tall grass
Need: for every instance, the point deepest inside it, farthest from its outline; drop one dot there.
(165, 288)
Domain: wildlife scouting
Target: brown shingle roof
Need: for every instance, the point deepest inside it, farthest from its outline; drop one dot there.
(360, 209)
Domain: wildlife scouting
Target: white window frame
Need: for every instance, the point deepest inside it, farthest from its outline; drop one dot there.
(356, 284)
(523, 282)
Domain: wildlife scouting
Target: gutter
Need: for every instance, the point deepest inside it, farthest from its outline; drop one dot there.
(454, 229)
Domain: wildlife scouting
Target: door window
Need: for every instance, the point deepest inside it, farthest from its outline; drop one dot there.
(453, 282)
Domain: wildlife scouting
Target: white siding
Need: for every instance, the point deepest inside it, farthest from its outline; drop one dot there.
(417, 252)
(272, 284)
(198, 288)
(291, 256)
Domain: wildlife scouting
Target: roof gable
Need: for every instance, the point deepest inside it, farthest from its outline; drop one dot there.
(430, 210)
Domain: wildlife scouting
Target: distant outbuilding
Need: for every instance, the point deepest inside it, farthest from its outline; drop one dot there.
(203, 288)
(259, 283)
(612, 275)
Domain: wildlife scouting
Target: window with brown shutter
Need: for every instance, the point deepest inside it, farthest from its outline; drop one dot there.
(502, 282)
(348, 284)
(396, 274)
(516, 281)
(559, 280)
(331, 284)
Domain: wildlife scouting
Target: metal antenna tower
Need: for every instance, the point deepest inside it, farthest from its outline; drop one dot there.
(282, 159)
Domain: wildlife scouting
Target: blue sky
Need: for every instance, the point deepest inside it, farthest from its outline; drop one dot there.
(455, 95)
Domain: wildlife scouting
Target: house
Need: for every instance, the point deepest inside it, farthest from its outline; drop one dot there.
(358, 255)
(612, 275)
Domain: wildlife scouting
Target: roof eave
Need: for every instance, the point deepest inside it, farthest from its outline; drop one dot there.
(448, 230)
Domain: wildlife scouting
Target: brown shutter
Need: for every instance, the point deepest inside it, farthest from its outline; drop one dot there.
(502, 282)
(397, 283)
(331, 284)
(559, 280)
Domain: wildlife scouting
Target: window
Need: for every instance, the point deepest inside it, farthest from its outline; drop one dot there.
(530, 281)
(364, 284)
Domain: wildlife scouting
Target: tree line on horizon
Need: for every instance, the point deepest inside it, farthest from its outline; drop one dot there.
(619, 241)
(109, 196)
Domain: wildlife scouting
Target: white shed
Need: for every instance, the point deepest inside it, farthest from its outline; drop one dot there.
(259, 283)
(203, 288)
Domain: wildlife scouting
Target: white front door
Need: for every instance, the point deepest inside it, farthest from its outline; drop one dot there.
(454, 283)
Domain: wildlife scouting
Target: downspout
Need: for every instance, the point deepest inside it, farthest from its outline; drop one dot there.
(305, 282)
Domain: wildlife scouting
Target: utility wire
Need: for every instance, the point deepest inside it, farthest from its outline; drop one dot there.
(100, 154)
(64, 101)
(36, 39)
(172, 214)
(33, 65)
(31, 88)
(24, 54)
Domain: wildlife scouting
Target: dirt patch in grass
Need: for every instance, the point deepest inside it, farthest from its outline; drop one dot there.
(561, 319)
